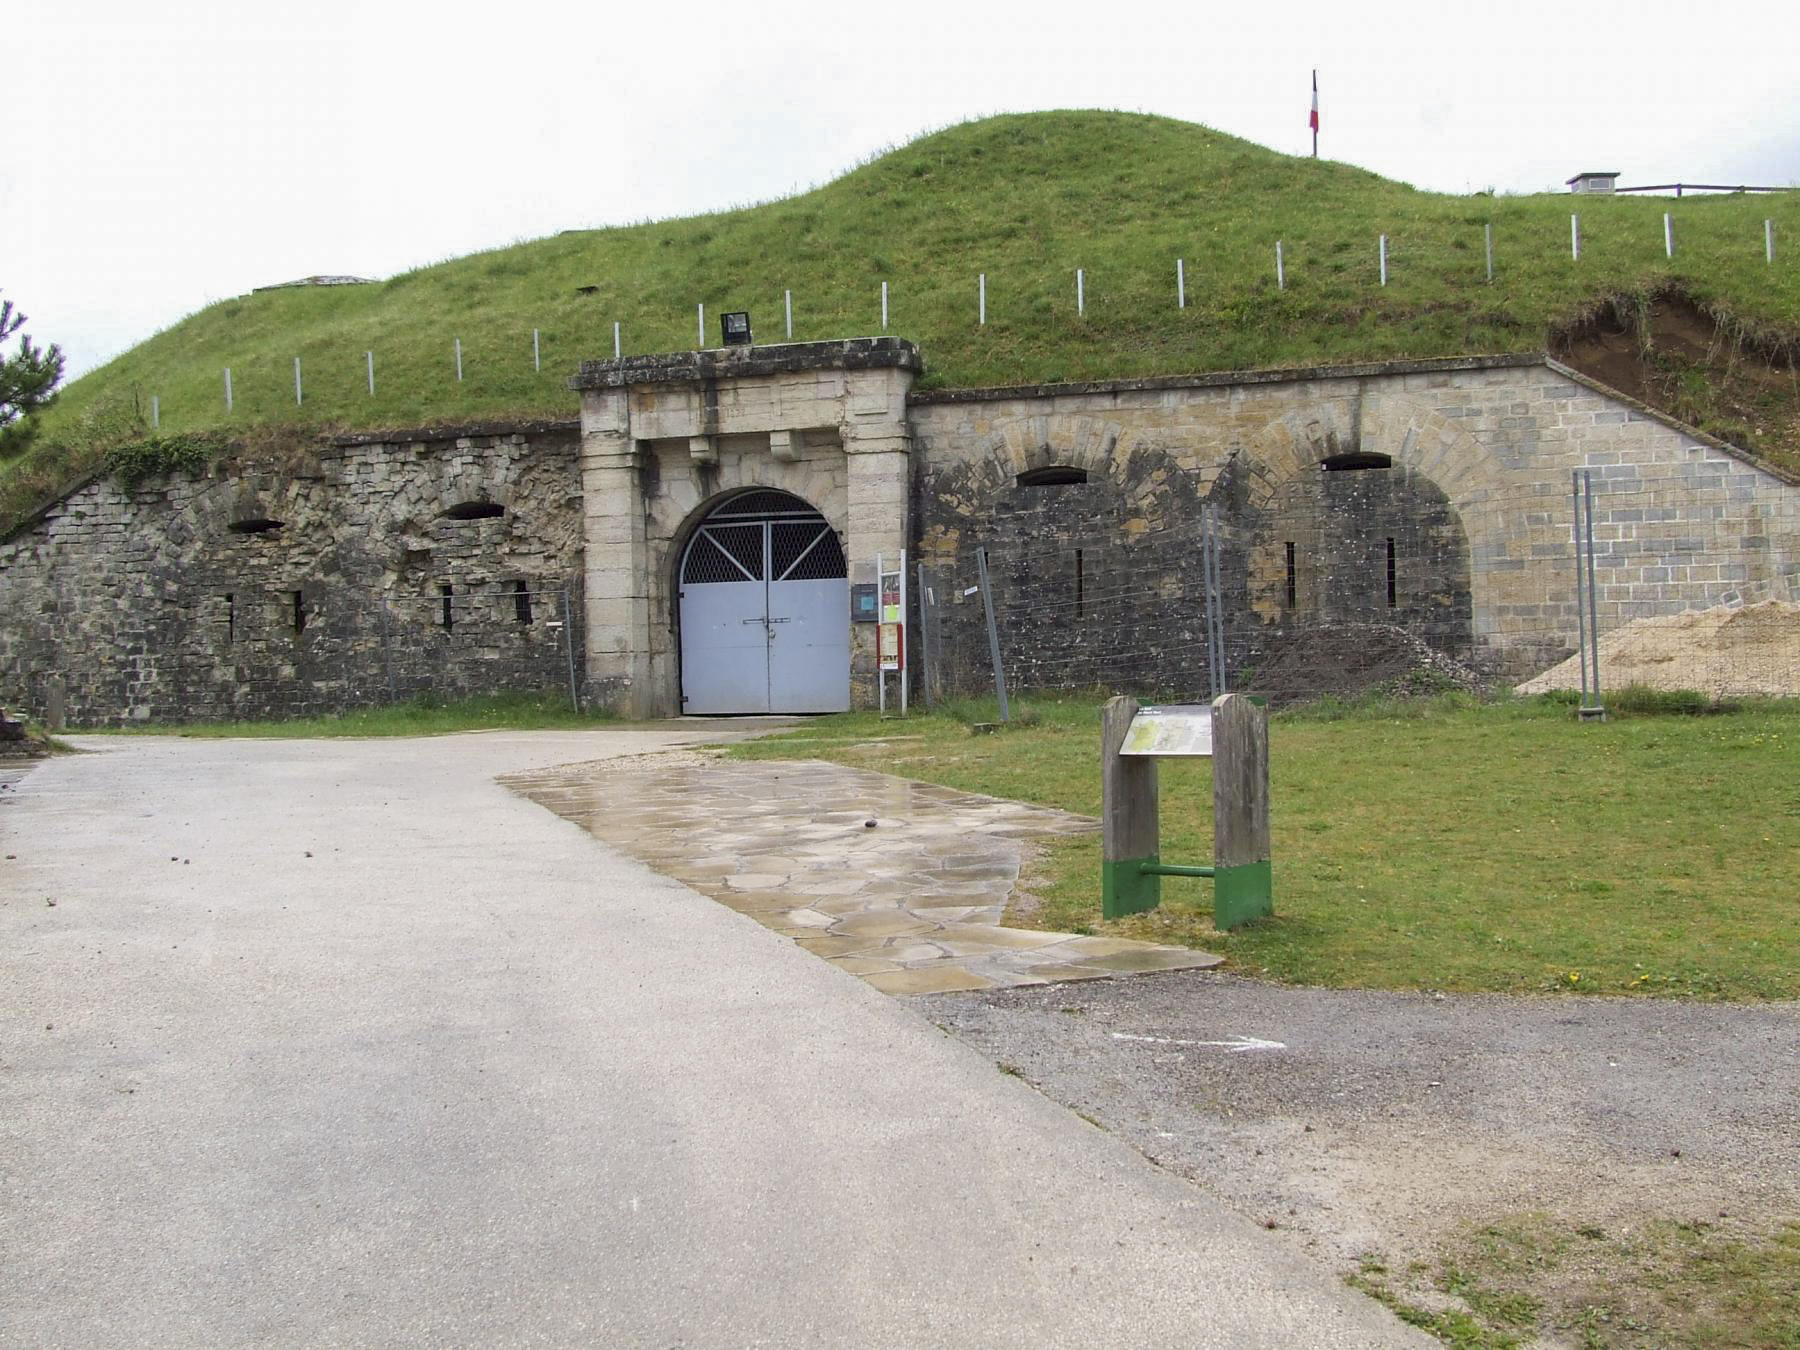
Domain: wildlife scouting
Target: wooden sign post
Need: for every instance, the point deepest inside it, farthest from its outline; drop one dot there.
(1234, 732)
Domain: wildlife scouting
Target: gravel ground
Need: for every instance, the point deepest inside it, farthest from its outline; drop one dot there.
(1385, 1121)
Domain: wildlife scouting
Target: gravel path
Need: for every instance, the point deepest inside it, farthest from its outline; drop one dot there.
(1385, 1120)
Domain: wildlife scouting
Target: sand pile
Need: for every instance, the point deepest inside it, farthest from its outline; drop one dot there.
(1721, 651)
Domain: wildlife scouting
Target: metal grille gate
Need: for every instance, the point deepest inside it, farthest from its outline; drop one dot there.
(764, 610)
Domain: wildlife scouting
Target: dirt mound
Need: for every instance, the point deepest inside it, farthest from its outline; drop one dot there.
(1721, 651)
(1347, 659)
(1696, 363)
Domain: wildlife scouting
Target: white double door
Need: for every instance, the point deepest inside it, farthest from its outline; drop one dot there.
(769, 635)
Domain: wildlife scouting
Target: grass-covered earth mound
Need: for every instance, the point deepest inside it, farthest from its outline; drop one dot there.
(1026, 200)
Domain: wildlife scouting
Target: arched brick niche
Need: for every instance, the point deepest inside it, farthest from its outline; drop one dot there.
(1339, 516)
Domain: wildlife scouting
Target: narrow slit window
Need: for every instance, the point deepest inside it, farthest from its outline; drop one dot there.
(1290, 574)
(230, 600)
(1391, 596)
(1057, 475)
(447, 620)
(298, 600)
(1351, 462)
(522, 601)
(1080, 584)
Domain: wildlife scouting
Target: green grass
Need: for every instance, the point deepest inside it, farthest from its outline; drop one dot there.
(1435, 844)
(1663, 1283)
(545, 711)
(1024, 198)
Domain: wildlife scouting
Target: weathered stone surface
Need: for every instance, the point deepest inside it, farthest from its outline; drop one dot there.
(274, 591)
(124, 592)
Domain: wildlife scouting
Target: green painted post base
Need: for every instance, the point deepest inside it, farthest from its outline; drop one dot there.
(1126, 888)
(1242, 893)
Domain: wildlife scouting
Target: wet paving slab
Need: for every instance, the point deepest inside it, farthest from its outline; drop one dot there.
(900, 883)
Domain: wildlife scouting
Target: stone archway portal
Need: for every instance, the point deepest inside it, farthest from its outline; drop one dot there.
(764, 602)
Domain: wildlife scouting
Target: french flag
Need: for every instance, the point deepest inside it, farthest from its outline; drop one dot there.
(1315, 108)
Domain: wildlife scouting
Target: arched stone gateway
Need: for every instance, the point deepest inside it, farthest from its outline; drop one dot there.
(762, 596)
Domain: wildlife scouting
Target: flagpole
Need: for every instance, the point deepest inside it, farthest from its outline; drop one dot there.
(1315, 113)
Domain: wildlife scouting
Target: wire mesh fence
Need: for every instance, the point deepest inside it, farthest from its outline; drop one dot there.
(1308, 612)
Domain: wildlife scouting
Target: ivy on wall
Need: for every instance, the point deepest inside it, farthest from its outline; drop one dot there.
(158, 456)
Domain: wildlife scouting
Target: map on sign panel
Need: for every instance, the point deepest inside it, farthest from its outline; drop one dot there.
(1178, 729)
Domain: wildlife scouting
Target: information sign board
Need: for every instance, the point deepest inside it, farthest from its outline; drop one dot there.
(891, 646)
(1175, 729)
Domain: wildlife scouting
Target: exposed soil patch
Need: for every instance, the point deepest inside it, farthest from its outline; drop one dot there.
(1347, 659)
(1726, 652)
(1695, 365)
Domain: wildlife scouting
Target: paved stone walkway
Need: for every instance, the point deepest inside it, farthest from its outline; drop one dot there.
(911, 902)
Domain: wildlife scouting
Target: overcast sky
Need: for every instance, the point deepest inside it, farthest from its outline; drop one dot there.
(160, 156)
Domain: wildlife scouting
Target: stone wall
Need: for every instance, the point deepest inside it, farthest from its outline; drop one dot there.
(1476, 500)
(259, 591)
(185, 599)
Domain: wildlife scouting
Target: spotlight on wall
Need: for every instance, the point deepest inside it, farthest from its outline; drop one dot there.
(736, 328)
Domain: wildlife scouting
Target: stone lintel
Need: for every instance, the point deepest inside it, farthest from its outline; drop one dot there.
(732, 363)
(703, 449)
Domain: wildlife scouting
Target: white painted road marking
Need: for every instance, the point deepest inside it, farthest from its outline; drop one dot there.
(1235, 1046)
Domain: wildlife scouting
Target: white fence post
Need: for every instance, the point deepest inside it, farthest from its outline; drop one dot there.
(981, 286)
(458, 360)
(1080, 291)
(298, 399)
(1180, 285)
(155, 412)
(1575, 237)
(884, 306)
(700, 325)
(537, 359)
(1280, 269)
(227, 388)
(1383, 247)
(369, 360)
(1487, 235)
(615, 340)
(787, 305)
(1768, 241)
(1668, 235)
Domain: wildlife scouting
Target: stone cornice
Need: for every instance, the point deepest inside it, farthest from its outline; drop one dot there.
(735, 363)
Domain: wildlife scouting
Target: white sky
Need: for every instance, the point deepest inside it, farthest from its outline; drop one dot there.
(162, 155)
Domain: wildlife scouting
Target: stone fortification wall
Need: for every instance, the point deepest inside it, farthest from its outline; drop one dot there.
(1430, 495)
(260, 590)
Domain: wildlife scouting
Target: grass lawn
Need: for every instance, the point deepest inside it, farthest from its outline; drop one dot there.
(545, 711)
(1442, 844)
(1023, 199)
(1661, 1283)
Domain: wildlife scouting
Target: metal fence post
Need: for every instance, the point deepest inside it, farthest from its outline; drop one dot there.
(927, 663)
(993, 632)
(569, 647)
(1215, 600)
(1599, 707)
(1581, 646)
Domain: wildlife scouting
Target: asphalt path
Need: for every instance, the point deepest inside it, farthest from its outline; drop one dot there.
(339, 1042)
